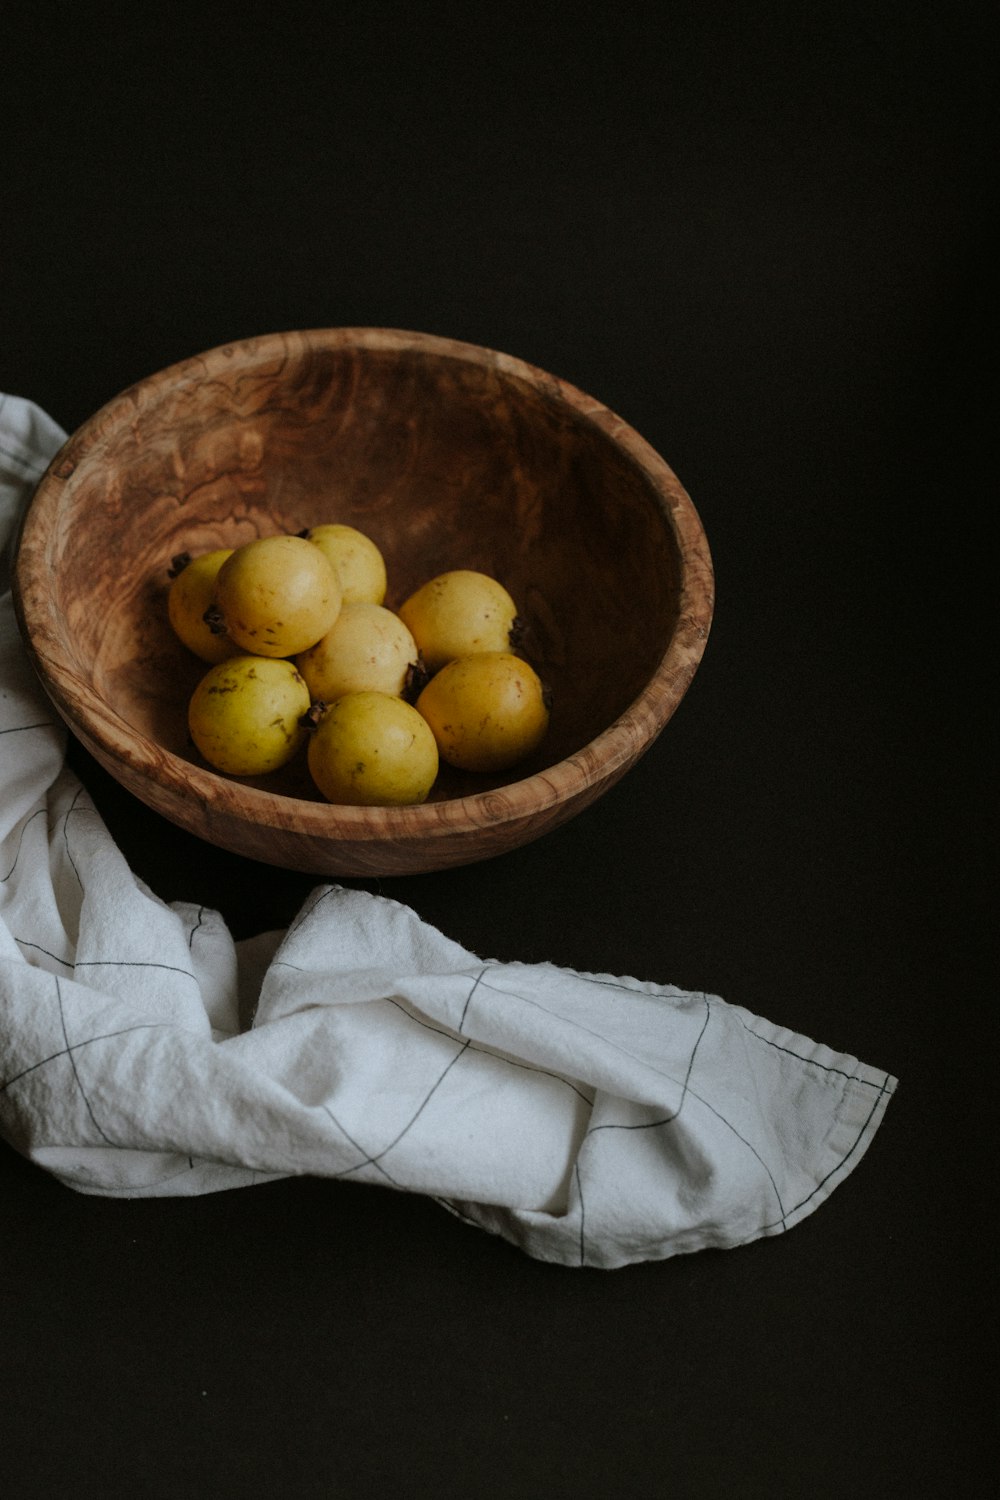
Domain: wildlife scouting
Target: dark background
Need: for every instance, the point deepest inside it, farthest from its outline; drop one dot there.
(758, 233)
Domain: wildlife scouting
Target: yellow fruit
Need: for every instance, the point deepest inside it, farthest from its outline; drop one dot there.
(367, 647)
(277, 596)
(486, 711)
(190, 595)
(244, 715)
(355, 559)
(459, 613)
(371, 750)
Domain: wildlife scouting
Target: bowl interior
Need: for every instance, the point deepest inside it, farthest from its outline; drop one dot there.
(445, 459)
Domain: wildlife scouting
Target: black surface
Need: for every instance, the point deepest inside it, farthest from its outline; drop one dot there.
(759, 233)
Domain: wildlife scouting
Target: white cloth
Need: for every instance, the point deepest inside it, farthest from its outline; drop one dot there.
(589, 1119)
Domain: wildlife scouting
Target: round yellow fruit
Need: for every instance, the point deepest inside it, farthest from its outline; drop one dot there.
(191, 593)
(367, 647)
(457, 614)
(355, 559)
(373, 750)
(486, 711)
(244, 715)
(277, 595)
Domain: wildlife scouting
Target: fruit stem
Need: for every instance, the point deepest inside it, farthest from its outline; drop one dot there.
(312, 715)
(213, 618)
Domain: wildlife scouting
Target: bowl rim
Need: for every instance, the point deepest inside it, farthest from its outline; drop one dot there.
(603, 759)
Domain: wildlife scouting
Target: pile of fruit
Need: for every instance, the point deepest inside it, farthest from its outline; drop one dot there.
(304, 654)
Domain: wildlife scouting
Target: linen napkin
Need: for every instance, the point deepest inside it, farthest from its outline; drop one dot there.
(590, 1119)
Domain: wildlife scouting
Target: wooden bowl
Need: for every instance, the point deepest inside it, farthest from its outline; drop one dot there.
(447, 455)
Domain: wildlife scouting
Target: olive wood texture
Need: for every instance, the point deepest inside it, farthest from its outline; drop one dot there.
(447, 455)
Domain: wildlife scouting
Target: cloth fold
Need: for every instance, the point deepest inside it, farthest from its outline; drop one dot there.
(588, 1118)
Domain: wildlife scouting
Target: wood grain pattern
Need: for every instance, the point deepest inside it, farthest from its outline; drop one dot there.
(447, 455)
